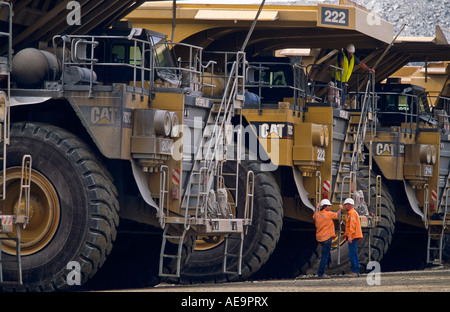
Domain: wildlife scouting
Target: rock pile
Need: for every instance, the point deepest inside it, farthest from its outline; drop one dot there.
(422, 16)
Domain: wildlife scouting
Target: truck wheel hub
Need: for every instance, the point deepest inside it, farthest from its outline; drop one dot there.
(44, 212)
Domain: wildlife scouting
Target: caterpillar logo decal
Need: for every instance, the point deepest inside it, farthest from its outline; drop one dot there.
(389, 149)
(281, 130)
(104, 115)
(107, 116)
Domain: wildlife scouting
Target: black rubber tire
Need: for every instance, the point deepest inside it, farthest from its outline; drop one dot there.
(446, 249)
(381, 236)
(205, 266)
(88, 206)
(134, 260)
(296, 252)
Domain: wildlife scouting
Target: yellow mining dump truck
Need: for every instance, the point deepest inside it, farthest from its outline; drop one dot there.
(384, 148)
(434, 77)
(105, 126)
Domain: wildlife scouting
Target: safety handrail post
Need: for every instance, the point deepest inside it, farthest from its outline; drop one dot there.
(378, 199)
(425, 206)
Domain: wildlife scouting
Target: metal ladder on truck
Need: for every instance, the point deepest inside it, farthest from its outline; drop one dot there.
(205, 209)
(352, 156)
(17, 220)
(353, 159)
(14, 222)
(438, 225)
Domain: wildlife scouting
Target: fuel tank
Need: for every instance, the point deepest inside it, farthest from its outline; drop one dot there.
(31, 67)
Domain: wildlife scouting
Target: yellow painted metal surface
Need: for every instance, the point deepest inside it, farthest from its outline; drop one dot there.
(194, 18)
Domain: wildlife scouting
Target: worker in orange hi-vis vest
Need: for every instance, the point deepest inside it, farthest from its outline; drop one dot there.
(325, 232)
(353, 233)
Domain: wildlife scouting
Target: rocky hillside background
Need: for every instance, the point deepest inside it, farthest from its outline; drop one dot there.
(422, 16)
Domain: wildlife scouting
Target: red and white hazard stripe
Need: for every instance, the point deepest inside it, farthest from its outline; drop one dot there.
(7, 220)
(434, 195)
(175, 177)
(326, 186)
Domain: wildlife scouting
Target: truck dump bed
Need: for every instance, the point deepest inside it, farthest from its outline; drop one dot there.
(39, 21)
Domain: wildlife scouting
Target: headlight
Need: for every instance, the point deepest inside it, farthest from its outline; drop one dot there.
(425, 154)
(318, 136)
(162, 123)
(175, 124)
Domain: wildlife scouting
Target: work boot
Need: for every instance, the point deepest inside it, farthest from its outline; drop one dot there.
(352, 275)
(324, 276)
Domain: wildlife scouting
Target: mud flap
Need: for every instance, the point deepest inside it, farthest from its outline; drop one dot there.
(413, 202)
(301, 189)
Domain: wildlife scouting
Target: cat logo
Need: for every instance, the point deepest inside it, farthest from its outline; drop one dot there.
(103, 115)
(389, 149)
(274, 130)
(384, 149)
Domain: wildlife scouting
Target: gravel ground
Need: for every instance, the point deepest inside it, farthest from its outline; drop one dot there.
(408, 290)
(429, 280)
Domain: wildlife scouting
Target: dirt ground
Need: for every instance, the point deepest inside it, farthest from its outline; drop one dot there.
(428, 280)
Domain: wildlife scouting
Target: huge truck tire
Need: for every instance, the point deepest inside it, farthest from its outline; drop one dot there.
(446, 249)
(380, 236)
(296, 252)
(73, 211)
(205, 265)
(134, 260)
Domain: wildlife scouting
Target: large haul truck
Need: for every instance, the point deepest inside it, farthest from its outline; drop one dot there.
(384, 148)
(108, 136)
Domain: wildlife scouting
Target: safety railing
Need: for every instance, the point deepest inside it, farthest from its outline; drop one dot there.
(316, 88)
(274, 81)
(5, 71)
(401, 109)
(207, 159)
(441, 110)
(147, 61)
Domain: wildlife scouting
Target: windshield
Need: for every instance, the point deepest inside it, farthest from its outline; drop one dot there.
(165, 65)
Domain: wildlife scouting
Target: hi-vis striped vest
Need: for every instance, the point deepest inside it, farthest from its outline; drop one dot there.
(348, 68)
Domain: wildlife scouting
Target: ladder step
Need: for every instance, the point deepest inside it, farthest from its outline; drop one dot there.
(237, 255)
(163, 255)
(173, 237)
(191, 207)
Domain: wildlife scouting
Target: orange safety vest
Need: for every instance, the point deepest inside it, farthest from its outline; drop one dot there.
(347, 66)
(324, 225)
(353, 225)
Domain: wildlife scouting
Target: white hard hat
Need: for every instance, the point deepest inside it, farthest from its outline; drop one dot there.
(350, 48)
(325, 202)
(349, 201)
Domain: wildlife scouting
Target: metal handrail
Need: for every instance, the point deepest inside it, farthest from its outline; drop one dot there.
(248, 211)
(164, 172)
(425, 206)
(25, 191)
(445, 210)
(413, 106)
(378, 199)
(194, 64)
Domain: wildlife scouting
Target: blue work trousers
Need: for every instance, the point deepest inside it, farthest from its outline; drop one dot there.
(326, 256)
(353, 255)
